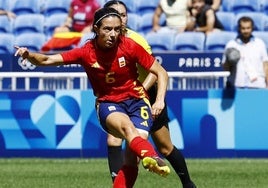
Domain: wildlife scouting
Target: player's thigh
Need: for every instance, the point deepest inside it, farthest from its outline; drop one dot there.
(120, 125)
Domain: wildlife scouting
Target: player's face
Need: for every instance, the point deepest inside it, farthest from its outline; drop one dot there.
(122, 11)
(109, 31)
(246, 29)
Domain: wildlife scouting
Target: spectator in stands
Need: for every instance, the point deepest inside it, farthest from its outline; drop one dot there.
(9, 14)
(80, 16)
(178, 17)
(214, 4)
(246, 58)
(205, 17)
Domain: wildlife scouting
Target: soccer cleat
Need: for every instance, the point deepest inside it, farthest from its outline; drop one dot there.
(156, 165)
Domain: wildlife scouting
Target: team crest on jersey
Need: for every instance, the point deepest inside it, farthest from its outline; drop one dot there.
(122, 62)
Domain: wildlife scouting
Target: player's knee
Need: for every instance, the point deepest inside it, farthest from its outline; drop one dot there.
(113, 141)
(165, 150)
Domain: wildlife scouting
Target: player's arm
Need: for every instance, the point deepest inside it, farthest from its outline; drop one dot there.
(162, 80)
(156, 17)
(149, 81)
(39, 59)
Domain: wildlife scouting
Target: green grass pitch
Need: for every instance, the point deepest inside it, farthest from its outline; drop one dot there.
(93, 173)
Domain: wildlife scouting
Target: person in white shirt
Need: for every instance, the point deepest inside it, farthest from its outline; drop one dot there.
(176, 13)
(250, 70)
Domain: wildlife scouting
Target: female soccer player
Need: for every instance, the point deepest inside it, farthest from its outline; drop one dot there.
(122, 102)
(160, 131)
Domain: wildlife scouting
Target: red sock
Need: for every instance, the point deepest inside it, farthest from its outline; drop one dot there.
(142, 148)
(126, 177)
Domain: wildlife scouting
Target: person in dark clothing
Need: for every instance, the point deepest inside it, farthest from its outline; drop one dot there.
(205, 17)
(215, 4)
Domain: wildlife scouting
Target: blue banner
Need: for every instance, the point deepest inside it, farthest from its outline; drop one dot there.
(63, 123)
(190, 62)
(171, 61)
(5, 62)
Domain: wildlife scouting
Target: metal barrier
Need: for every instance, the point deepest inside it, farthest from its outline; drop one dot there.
(197, 80)
(60, 80)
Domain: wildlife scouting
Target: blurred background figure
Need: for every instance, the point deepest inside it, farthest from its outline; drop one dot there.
(9, 14)
(214, 4)
(250, 70)
(80, 16)
(205, 17)
(176, 14)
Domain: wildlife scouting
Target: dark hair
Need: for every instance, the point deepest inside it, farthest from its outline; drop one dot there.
(114, 2)
(244, 19)
(103, 13)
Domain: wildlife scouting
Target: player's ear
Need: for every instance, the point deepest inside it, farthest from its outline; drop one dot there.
(96, 29)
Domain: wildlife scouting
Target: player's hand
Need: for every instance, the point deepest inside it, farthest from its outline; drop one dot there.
(23, 52)
(157, 108)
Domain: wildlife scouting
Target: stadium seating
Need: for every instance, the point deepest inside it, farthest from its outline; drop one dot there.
(216, 41)
(29, 23)
(146, 22)
(258, 18)
(239, 6)
(189, 41)
(5, 25)
(53, 21)
(3, 5)
(85, 37)
(33, 41)
(133, 21)
(264, 6)
(20, 7)
(7, 43)
(227, 19)
(131, 6)
(263, 35)
(160, 41)
(56, 6)
(143, 7)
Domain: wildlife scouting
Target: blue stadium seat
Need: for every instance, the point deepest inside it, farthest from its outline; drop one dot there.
(53, 21)
(133, 21)
(20, 7)
(56, 6)
(85, 38)
(7, 43)
(263, 35)
(5, 25)
(227, 19)
(131, 6)
(258, 17)
(3, 5)
(33, 23)
(33, 41)
(239, 6)
(264, 6)
(160, 41)
(216, 41)
(189, 41)
(146, 22)
(147, 6)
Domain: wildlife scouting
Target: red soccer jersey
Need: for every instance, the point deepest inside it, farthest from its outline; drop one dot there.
(83, 13)
(112, 73)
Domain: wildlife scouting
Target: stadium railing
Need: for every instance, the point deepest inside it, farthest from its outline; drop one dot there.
(44, 81)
